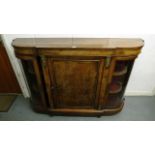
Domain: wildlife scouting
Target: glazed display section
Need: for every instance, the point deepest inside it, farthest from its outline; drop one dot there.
(119, 81)
(77, 76)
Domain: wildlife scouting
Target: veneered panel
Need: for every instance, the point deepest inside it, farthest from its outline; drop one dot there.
(75, 83)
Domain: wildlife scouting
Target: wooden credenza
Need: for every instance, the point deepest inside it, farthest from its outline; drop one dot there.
(77, 76)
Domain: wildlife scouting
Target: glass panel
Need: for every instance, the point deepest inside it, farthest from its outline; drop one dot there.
(32, 81)
(118, 84)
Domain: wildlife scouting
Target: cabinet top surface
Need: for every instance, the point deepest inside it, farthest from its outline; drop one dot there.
(85, 43)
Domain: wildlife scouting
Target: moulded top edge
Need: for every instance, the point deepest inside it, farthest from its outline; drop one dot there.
(94, 43)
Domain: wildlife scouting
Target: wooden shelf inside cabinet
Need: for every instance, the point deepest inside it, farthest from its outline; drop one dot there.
(113, 101)
(115, 87)
(121, 72)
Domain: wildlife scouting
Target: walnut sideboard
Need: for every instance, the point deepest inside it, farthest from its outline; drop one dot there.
(77, 76)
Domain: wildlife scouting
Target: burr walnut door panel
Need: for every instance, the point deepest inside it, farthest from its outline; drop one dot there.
(73, 83)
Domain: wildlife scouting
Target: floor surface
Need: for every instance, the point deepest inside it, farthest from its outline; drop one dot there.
(135, 109)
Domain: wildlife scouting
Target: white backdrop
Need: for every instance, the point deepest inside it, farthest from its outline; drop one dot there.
(142, 81)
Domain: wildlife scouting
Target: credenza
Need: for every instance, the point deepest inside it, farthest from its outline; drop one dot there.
(77, 76)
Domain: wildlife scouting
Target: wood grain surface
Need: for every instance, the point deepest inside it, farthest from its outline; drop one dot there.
(82, 43)
(8, 81)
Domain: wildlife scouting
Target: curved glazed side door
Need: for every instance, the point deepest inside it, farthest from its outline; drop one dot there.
(74, 83)
(119, 74)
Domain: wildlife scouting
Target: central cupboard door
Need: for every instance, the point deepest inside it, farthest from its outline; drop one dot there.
(74, 83)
